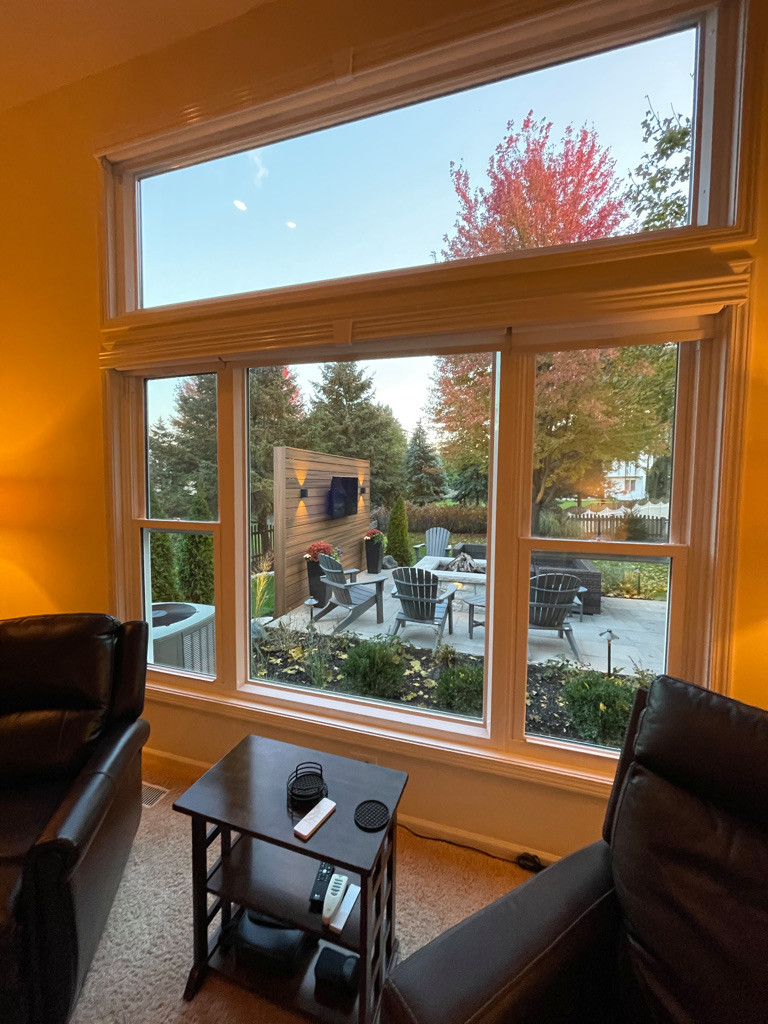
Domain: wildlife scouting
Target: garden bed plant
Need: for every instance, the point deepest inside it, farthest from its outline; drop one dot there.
(382, 667)
(568, 701)
(564, 700)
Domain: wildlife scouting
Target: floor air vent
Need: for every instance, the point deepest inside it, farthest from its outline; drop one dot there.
(151, 794)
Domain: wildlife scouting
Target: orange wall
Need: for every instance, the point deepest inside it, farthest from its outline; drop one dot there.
(52, 505)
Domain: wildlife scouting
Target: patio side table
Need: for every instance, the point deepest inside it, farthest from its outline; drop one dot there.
(473, 601)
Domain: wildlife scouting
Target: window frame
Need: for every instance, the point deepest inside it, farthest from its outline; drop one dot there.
(324, 320)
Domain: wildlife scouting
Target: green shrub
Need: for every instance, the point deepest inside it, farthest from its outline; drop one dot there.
(398, 544)
(444, 656)
(165, 579)
(460, 689)
(195, 557)
(375, 668)
(599, 705)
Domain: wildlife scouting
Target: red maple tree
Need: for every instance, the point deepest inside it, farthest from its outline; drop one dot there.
(538, 194)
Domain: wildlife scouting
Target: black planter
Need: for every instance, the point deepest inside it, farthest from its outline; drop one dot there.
(317, 589)
(374, 553)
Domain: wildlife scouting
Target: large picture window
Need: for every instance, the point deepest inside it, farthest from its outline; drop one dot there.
(475, 505)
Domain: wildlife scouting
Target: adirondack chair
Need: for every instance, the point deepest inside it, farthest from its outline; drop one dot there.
(436, 542)
(420, 601)
(552, 598)
(347, 593)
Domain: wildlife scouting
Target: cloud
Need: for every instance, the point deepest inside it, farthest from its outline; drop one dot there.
(262, 171)
(290, 223)
(240, 204)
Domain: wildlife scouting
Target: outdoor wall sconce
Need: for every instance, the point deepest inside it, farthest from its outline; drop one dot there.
(362, 490)
(304, 492)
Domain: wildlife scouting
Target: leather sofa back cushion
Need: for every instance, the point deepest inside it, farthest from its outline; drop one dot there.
(57, 661)
(690, 878)
(736, 779)
(36, 744)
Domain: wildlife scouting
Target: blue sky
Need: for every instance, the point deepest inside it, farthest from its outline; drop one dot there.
(376, 194)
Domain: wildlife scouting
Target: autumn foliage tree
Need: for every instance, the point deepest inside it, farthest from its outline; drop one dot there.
(539, 193)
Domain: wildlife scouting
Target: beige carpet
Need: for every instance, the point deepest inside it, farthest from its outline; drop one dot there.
(141, 965)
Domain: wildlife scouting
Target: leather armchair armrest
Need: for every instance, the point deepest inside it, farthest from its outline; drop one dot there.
(77, 818)
(544, 953)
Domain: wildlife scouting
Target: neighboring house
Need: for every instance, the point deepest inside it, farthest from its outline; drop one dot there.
(625, 480)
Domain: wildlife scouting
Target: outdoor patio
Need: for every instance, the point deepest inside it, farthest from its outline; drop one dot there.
(639, 624)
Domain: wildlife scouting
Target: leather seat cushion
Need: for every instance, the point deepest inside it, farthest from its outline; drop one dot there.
(24, 813)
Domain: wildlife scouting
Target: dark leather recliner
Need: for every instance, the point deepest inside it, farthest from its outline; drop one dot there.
(71, 692)
(663, 921)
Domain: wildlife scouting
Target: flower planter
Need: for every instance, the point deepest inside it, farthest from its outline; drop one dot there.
(374, 553)
(317, 588)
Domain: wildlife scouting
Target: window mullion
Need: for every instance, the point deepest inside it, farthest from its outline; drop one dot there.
(233, 563)
(514, 455)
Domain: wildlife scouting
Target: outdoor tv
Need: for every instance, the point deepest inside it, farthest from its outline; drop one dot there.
(342, 497)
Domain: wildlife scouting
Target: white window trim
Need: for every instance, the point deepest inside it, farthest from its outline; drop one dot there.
(346, 316)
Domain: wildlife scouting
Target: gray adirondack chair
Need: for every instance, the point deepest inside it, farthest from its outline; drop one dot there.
(551, 599)
(420, 602)
(347, 593)
(436, 541)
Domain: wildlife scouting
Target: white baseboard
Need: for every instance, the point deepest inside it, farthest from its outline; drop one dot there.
(175, 761)
(474, 840)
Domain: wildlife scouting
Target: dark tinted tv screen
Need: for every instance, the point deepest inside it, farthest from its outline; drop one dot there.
(342, 497)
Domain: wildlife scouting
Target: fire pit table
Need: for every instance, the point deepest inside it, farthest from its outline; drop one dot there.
(439, 567)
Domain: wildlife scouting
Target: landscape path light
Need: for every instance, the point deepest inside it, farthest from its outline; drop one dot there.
(610, 636)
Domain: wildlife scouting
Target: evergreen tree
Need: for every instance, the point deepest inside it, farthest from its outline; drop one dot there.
(344, 420)
(398, 541)
(196, 557)
(471, 486)
(183, 454)
(165, 580)
(423, 469)
(276, 417)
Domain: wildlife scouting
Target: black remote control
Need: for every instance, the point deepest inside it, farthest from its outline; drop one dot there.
(323, 877)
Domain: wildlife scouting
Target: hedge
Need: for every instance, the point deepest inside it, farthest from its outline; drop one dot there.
(455, 518)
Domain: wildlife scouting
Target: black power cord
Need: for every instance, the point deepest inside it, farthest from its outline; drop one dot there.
(529, 862)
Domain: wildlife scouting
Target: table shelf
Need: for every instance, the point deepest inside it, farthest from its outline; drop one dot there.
(275, 881)
(296, 990)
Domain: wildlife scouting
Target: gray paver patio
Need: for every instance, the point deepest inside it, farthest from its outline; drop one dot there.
(640, 625)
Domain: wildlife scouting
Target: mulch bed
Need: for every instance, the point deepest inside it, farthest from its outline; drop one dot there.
(546, 713)
(288, 659)
(282, 663)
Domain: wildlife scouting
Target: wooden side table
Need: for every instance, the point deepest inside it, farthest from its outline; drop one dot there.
(242, 803)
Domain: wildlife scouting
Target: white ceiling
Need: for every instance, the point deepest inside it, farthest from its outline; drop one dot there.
(45, 44)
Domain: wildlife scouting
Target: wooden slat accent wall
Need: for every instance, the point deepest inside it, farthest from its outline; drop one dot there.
(301, 521)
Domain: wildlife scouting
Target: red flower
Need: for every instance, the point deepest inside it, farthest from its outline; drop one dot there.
(318, 548)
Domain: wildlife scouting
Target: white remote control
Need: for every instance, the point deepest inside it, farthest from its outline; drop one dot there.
(339, 919)
(333, 896)
(312, 821)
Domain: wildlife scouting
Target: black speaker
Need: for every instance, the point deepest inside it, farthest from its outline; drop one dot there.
(336, 972)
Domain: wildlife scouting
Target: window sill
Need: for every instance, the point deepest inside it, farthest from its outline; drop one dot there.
(448, 741)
